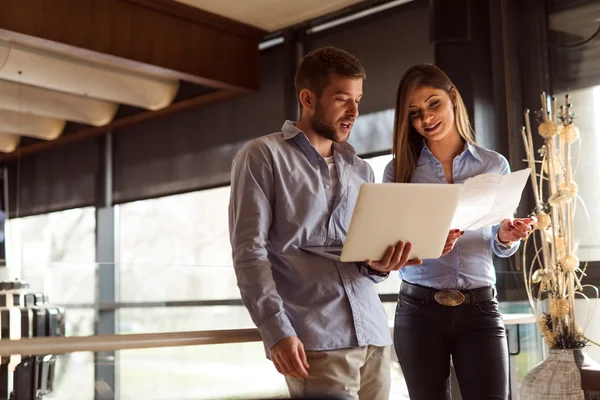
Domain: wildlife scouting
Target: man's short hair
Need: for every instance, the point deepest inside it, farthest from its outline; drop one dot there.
(316, 67)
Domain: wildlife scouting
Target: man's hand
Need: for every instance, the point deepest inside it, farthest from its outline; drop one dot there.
(395, 258)
(289, 357)
(517, 229)
(453, 236)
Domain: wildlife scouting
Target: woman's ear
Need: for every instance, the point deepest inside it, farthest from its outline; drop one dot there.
(453, 96)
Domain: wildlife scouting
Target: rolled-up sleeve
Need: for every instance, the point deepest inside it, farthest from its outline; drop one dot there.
(250, 217)
(373, 275)
(500, 250)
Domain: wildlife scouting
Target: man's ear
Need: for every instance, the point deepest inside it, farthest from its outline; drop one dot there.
(307, 99)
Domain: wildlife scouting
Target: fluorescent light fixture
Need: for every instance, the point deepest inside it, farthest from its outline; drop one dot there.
(30, 125)
(8, 142)
(29, 99)
(79, 77)
(270, 43)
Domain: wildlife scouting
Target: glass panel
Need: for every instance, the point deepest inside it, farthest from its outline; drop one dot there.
(227, 371)
(176, 248)
(222, 371)
(55, 254)
(74, 377)
(151, 282)
(79, 321)
(185, 229)
(587, 315)
(373, 132)
(574, 70)
(530, 340)
(175, 319)
(586, 103)
(378, 164)
(392, 284)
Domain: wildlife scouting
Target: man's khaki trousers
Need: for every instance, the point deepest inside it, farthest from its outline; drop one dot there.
(361, 373)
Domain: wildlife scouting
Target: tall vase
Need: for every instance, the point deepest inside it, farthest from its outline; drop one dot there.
(563, 375)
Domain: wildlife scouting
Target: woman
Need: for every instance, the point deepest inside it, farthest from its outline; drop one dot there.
(447, 307)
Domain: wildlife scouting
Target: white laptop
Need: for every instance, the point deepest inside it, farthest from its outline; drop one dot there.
(386, 213)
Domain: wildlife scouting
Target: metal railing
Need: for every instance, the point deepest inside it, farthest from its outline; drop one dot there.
(98, 343)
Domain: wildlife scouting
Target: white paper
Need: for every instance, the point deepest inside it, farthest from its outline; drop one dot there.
(488, 199)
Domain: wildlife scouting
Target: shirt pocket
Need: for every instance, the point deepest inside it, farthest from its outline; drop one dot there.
(300, 197)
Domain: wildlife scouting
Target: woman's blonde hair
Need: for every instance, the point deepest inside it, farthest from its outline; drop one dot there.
(408, 143)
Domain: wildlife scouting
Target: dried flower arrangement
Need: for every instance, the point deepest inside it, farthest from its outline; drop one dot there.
(553, 276)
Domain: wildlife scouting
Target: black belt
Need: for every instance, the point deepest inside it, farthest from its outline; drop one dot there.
(447, 297)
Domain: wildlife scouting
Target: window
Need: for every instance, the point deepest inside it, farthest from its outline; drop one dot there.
(223, 371)
(55, 254)
(586, 103)
(176, 248)
(378, 164)
(372, 133)
(574, 70)
(392, 284)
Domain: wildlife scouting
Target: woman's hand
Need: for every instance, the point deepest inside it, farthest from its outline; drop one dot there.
(395, 258)
(453, 236)
(514, 230)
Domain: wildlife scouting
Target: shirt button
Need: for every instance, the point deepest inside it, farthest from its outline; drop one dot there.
(326, 186)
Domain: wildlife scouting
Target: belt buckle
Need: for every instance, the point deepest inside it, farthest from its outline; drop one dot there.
(449, 298)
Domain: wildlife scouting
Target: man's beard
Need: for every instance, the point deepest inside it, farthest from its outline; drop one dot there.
(324, 127)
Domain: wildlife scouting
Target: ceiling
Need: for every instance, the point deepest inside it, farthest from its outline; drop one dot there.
(270, 15)
(98, 66)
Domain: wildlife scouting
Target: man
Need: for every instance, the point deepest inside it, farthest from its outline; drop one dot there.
(321, 321)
